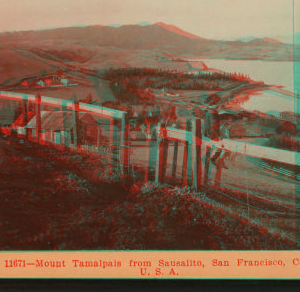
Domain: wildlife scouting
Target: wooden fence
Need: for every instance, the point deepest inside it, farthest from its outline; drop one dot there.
(190, 139)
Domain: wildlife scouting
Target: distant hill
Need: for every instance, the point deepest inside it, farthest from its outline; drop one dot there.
(26, 53)
(252, 38)
(157, 38)
(143, 23)
(113, 25)
(177, 30)
(270, 40)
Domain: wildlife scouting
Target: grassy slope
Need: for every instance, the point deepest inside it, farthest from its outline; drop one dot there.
(13, 65)
(66, 201)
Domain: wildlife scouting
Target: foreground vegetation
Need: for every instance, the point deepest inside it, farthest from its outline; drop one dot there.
(70, 201)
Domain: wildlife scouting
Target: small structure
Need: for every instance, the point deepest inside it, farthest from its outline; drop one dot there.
(48, 82)
(57, 127)
(287, 116)
(64, 81)
(40, 83)
(24, 83)
(192, 72)
(172, 93)
(19, 126)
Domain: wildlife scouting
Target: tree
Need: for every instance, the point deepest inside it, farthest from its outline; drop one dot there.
(18, 112)
(287, 129)
(88, 99)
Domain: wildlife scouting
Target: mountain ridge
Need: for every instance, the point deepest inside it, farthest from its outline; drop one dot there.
(156, 38)
(252, 38)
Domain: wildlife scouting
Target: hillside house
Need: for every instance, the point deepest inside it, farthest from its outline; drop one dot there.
(24, 83)
(172, 93)
(192, 71)
(64, 81)
(19, 126)
(48, 82)
(59, 127)
(287, 116)
(40, 83)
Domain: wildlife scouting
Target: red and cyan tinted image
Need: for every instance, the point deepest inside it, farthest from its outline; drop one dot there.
(149, 126)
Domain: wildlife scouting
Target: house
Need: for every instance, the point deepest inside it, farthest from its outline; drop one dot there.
(288, 116)
(48, 82)
(64, 81)
(40, 83)
(24, 83)
(19, 126)
(192, 72)
(172, 93)
(59, 127)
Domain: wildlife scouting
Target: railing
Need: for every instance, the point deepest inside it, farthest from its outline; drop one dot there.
(191, 141)
(173, 156)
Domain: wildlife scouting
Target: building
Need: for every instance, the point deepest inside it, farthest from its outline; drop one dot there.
(48, 82)
(288, 116)
(24, 83)
(19, 126)
(64, 81)
(40, 83)
(59, 127)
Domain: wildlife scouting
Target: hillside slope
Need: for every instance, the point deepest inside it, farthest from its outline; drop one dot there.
(156, 37)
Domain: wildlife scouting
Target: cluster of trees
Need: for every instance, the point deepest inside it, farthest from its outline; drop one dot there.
(285, 143)
(165, 114)
(129, 84)
(113, 74)
(125, 91)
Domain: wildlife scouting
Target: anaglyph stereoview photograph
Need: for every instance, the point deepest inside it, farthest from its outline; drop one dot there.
(149, 125)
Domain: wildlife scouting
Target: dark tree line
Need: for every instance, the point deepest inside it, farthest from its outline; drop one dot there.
(113, 74)
(132, 84)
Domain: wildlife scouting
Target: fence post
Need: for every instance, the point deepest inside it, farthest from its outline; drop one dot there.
(98, 135)
(163, 154)
(165, 159)
(112, 142)
(76, 122)
(147, 162)
(121, 155)
(38, 117)
(207, 162)
(174, 163)
(64, 109)
(25, 115)
(125, 144)
(185, 161)
(198, 152)
(218, 177)
(157, 153)
(194, 154)
(212, 131)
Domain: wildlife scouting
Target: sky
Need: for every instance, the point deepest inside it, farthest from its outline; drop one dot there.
(213, 19)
